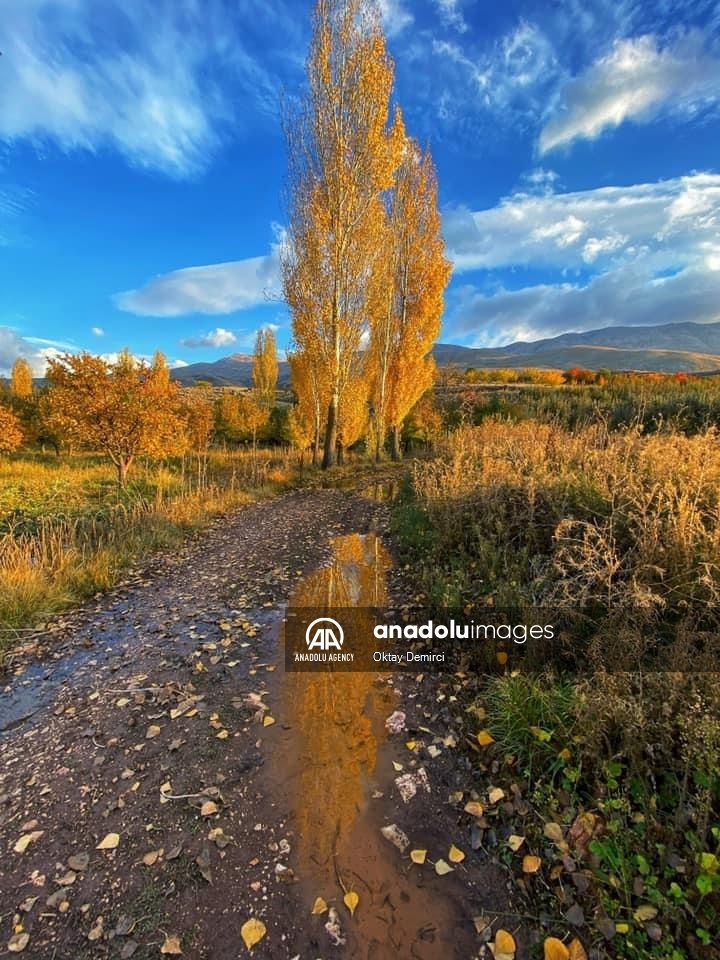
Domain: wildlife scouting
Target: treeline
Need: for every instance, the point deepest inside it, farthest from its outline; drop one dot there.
(129, 408)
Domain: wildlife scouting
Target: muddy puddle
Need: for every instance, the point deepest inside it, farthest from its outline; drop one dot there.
(333, 769)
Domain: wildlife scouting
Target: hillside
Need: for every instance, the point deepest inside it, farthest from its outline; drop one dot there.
(692, 347)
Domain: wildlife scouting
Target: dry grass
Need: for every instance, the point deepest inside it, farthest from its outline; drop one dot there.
(66, 531)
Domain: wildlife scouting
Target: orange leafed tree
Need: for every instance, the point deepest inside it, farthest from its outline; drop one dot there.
(125, 409)
(409, 298)
(10, 430)
(265, 368)
(21, 380)
(343, 154)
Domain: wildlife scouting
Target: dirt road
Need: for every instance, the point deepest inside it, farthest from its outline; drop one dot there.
(164, 781)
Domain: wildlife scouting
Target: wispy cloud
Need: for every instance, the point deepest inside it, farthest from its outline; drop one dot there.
(148, 80)
(35, 350)
(613, 255)
(216, 338)
(635, 81)
(451, 14)
(98, 332)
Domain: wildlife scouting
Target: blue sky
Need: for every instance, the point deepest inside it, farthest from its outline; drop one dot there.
(577, 144)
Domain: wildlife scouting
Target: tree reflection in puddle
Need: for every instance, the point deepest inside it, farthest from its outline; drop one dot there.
(336, 716)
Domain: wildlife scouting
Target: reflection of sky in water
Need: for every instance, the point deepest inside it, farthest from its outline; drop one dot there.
(332, 711)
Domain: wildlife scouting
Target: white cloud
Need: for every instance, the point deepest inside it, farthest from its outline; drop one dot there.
(217, 288)
(642, 254)
(451, 14)
(35, 350)
(147, 80)
(629, 296)
(395, 16)
(669, 220)
(216, 338)
(635, 81)
(98, 332)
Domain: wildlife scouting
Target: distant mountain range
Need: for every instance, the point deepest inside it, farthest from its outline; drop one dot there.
(692, 347)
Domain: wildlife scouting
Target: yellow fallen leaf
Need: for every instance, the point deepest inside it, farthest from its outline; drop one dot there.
(622, 928)
(542, 735)
(268, 720)
(411, 744)
(109, 842)
(485, 738)
(504, 944)
(208, 808)
(515, 842)
(26, 839)
(351, 900)
(577, 950)
(501, 657)
(553, 831)
(319, 907)
(397, 766)
(455, 855)
(418, 856)
(441, 868)
(171, 946)
(474, 808)
(495, 795)
(645, 912)
(564, 754)
(122, 702)
(18, 942)
(151, 857)
(531, 864)
(252, 932)
(152, 731)
(555, 949)
(223, 735)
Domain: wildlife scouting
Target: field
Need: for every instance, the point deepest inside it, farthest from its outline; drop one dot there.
(599, 507)
(67, 530)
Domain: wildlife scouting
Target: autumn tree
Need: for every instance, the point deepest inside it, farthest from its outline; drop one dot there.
(21, 380)
(125, 409)
(312, 398)
(11, 433)
(238, 417)
(410, 296)
(343, 155)
(265, 369)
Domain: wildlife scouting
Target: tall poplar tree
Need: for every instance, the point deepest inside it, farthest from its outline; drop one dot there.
(343, 155)
(265, 368)
(408, 296)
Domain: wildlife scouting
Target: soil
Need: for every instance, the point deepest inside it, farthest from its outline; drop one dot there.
(164, 780)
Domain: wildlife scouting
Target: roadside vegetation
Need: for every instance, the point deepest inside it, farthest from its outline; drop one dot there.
(597, 508)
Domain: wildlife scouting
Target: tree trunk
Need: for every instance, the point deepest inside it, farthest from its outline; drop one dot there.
(396, 451)
(330, 451)
(340, 454)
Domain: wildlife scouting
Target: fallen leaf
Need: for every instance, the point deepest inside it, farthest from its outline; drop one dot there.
(504, 944)
(418, 856)
(397, 766)
(496, 794)
(542, 735)
(128, 949)
(79, 862)
(515, 842)
(485, 738)
(441, 868)
(151, 857)
(152, 731)
(351, 900)
(26, 839)
(171, 946)
(319, 907)
(203, 862)
(268, 720)
(96, 931)
(455, 855)
(474, 808)
(208, 808)
(553, 831)
(252, 932)
(223, 735)
(396, 836)
(645, 912)
(531, 864)
(555, 949)
(18, 942)
(110, 842)
(577, 950)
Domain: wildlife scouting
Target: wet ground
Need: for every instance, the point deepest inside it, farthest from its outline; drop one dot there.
(164, 782)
